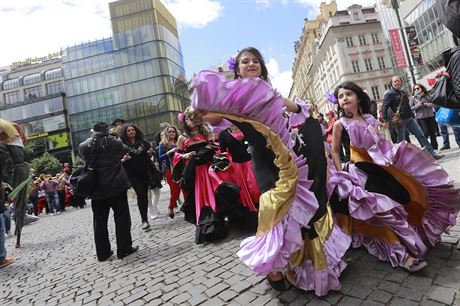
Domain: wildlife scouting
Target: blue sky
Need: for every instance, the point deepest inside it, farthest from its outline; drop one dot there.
(210, 30)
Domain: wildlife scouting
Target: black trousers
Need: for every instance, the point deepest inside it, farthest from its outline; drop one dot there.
(141, 187)
(101, 209)
(429, 127)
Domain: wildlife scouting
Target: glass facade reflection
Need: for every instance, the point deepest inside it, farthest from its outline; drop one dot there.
(137, 75)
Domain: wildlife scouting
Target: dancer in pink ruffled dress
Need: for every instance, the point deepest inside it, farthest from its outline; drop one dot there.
(292, 237)
(395, 200)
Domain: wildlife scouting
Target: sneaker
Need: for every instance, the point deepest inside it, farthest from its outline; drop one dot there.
(153, 217)
(7, 261)
(145, 226)
(438, 156)
(444, 148)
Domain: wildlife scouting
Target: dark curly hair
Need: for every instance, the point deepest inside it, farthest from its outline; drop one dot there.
(256, 53)
(364, 104)
(139, 133)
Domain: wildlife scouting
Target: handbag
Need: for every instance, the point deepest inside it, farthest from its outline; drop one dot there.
(83, 179)
(396, 116)
(448, 116)
(443, 93)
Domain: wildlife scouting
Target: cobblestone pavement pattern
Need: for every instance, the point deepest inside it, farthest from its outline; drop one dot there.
(57, 266)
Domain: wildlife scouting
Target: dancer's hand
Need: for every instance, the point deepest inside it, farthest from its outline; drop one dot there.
(188, 155)
(195, 116)
(126, 157)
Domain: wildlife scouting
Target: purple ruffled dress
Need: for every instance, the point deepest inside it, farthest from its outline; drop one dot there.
(382, 212)
(286, 208)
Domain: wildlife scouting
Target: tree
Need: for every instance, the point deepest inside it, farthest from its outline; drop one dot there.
(46, 164)
(78, 162)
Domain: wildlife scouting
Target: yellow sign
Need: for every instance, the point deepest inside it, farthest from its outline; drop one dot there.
(60, 140)
(34, 60)
(37, 136)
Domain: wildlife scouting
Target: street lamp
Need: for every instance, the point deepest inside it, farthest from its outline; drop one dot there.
(395, 5)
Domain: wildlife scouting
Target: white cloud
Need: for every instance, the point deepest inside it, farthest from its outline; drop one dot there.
(261, 4)
(194, 13)
(341, 4)
(282, 81)
(49, 25)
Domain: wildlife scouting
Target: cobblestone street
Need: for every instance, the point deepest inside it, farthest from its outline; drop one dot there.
(57, 266)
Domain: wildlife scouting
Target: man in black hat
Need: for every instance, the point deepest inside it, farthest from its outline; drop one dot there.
(111, 191)
(118, 122)
(117, 125)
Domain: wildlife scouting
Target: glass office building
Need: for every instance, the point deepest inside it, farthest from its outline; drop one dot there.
(136, 75)
(31, 94)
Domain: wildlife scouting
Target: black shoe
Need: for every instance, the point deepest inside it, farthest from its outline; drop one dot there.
(128, 252)
(171, 213)
(279, 285)
(444, 148)
(105, 257)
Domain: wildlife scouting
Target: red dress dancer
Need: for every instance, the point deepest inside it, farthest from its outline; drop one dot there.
(191, 164)
(232, 142)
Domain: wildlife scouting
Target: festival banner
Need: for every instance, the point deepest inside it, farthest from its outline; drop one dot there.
(414, 46)
(398, 48)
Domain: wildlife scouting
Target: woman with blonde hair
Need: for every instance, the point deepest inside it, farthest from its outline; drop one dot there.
(165, 151)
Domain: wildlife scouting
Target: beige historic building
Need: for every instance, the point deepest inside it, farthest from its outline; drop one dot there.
(305, 49)
(341, 45)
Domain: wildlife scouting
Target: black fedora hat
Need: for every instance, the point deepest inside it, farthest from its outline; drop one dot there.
(118, 120)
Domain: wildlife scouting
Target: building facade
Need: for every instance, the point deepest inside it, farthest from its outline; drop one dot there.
(351, 47)
(306, 49)
(433, 36)
(136, 75)
(32, 94)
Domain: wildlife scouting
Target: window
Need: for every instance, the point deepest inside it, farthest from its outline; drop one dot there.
(368, 64)
(9, 84)
(33, 92)
(375, 38)
(53, 74)
(381, 62)
(376, 92)
(12, 97)
(355, 16)
(54, 88)
(349, 41)
(362, 40)
(387, 87)
(30, 79)
(355, 65)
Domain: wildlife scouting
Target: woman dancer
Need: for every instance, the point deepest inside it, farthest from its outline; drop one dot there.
(232, 140)
(393, 199)
(138, 166)
(287, 207)
(191, 163)
(166, 151)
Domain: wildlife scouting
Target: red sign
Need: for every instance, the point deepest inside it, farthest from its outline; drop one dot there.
(414, 46)
(398, 49)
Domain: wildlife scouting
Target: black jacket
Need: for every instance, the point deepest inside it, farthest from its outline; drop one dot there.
(110, 174)
(391, 101)
(451, 60)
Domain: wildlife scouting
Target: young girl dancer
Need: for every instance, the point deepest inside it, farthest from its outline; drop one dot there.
(395, 200)
(289, 237)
